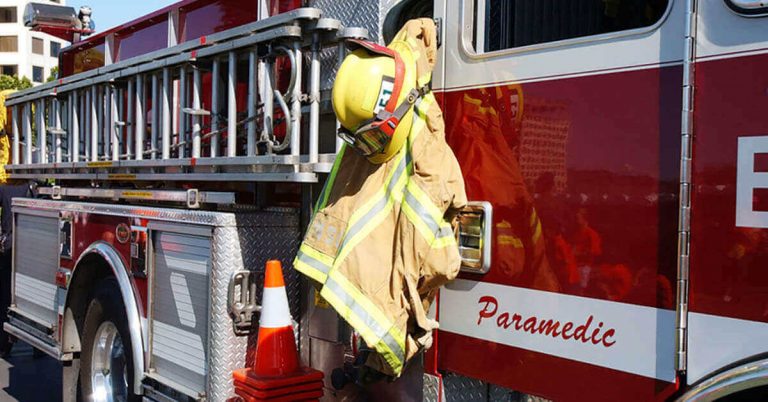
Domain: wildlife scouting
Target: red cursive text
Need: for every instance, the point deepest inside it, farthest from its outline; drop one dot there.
(584, 333)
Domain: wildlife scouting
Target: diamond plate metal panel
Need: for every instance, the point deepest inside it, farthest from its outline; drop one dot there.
(254, 238)
(431, 388)
(500, 394)
(226, 351)
(464, 389)
(368, 14)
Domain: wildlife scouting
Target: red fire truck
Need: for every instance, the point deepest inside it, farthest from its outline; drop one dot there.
(614, 150)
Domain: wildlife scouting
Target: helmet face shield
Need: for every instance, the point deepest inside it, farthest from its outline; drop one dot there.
(368, 142)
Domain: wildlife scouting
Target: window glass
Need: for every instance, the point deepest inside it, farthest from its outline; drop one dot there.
(9, 44)
(37, 74)
(8, 14)
(38, 46)
(9, 70)
(55, 49)
(515, 23)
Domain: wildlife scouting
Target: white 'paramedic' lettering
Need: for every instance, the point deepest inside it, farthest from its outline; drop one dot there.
(747, 180)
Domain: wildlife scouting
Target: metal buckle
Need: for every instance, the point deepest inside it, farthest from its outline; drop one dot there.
(241, 302)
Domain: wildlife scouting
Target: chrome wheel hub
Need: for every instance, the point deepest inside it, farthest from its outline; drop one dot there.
(109, 367)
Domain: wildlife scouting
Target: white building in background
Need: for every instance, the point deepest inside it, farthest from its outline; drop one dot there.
(23, 52)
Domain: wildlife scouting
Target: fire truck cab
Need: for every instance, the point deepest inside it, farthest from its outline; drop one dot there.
(614, 151)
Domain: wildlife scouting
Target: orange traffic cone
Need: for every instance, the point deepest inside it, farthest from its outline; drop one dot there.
(276, 348)
(276, 374)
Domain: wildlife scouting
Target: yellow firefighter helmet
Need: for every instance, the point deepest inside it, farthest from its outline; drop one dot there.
(373, 97)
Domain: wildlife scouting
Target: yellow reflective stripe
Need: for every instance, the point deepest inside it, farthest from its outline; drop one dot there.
(323, 200)
(534, 218)
(366, 318)
(420, 119)
(367, 218)
(313, 263)
(309, 271)
(427, 218)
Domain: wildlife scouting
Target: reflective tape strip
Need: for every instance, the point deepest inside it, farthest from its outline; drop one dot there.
(313, 263)
(375, 211)
(427, 217)
(365, 317)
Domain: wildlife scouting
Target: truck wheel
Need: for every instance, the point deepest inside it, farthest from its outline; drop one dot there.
(106, 361)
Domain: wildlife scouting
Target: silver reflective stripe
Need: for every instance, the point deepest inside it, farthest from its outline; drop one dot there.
(380, 205)
(313, 262)
(426, 217)
(384, 335)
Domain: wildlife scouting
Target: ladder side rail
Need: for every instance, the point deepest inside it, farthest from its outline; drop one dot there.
(252, 101)
(296, 101)
(106, 123)
(197, 83)
(215, 109)
(93, 129)
(232, 106)
(130, 121)
(155, 115)
(86, 119)
(57, 125)
(74, 147)
(140, 116)
(314, 99)
(41, 132)
(100, 106)
(115, 122)
(27, 131)
(15, 130)
(166, 112)
(183, 117)
(268, 99)
(120, 121)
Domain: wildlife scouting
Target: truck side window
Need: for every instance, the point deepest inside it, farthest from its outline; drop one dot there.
(515, 23)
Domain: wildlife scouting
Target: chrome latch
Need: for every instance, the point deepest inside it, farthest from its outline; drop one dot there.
(193, 198)
(241, 300)
(474, 237)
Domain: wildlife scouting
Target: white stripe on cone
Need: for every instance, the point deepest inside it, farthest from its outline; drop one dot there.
(275, 312)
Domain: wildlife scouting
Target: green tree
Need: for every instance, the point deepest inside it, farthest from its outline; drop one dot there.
(14, 82)
(54, 74)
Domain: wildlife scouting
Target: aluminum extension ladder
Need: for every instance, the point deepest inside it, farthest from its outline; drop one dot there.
(98, 125)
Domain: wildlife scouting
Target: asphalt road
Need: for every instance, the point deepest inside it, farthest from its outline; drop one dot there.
(25, 378)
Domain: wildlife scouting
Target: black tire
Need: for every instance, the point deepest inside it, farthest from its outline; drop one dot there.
(106, 308)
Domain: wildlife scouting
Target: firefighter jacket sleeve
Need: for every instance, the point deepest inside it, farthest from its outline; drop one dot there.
(381, 243)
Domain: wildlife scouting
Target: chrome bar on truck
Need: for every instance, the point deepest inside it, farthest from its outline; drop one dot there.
(130, 120)
(15, 128)
(140, 117)
(252, 102)
(115, 123)
(197, 117)
(41, 132)
(183, 117)
(155, 116)
(167, 97)
(27, 130)
(94, 124)
(232, 106)
(215, 109)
